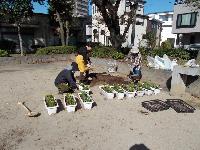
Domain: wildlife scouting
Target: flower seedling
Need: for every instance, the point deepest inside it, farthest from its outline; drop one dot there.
(129, 88)
(147, 85)
(118, 88)
(69, 99)
(139, 88)
(50, 101)
(85, 87)
(85, 97)
(107, 89)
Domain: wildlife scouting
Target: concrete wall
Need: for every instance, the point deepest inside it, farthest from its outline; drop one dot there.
(181, 9)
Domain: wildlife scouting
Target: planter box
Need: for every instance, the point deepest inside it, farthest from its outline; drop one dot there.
(51, 110)
(156, 91)
(70, 108)
(107, 95)
(140, 93)
(130, 94)
(81, 89)
(148, 92)
(87, 105)
(119, 95)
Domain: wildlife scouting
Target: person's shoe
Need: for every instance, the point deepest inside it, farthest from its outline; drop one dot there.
(90, 78)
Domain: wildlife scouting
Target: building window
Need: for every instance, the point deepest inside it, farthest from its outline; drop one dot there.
(186, 20)
(163, 17)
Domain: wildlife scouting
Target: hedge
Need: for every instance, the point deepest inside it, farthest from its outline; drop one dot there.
(173, 53)
(3, 53)
(98, 51)
(107, 52)
(56, 50)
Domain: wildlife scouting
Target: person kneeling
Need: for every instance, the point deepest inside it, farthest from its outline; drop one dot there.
(83, 68)
(65, 80)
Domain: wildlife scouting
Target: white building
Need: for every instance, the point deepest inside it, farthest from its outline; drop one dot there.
(81, 8)
(187, 25)
(167, 21)
(100, 32)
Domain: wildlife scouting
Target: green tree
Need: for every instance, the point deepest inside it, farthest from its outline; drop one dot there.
(17, 11)
(61, 11)
(194, 3)
(109, 12)
(151, 39)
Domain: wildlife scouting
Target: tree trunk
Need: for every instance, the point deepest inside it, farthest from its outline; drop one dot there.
(62, 33)
(67, 32)
(20, 38)
(133, 35)
(115, 40)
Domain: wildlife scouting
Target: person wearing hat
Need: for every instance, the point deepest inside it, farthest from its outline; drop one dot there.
(135, 59)
(65, 80)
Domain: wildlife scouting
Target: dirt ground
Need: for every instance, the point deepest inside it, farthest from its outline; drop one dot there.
(110, 125)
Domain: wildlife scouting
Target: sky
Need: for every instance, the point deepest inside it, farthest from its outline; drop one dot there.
(150, 7)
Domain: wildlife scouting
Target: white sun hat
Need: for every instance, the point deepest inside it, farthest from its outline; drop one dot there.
(134, 50)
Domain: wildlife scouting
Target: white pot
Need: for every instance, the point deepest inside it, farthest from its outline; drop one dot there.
(156, 91)
(120, 95)
(107, 95)
(140, 93)
(81, 89)
(51, 110)
(70, 108)
(130, 94)
(86, 105)
(148, 92)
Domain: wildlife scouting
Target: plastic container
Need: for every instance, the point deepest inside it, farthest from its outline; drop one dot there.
(70, 108)
(51, 110)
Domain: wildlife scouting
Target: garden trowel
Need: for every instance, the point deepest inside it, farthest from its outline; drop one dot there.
(30, 113)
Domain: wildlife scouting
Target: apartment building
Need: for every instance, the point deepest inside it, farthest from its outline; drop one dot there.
(81, 8)
(35, 31)
(186, 24)
(167, 19)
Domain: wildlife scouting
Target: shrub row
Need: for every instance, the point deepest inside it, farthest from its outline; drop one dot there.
(173, 53)
(107, 52)
(98, 51)
(56, 50)
(3, 53)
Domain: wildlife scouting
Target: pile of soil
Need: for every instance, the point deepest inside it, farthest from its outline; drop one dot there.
(101, 78)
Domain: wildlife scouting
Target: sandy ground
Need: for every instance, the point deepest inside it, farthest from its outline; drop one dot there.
(111, 125)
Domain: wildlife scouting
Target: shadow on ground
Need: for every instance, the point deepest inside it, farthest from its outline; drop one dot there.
(139, 147)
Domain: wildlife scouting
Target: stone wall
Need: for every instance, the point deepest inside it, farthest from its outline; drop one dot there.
(33, 59)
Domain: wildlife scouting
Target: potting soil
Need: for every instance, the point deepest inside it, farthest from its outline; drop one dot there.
(98, 79)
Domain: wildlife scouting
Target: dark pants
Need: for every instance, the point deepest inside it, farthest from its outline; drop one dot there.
(83, 78)
(136, 71)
